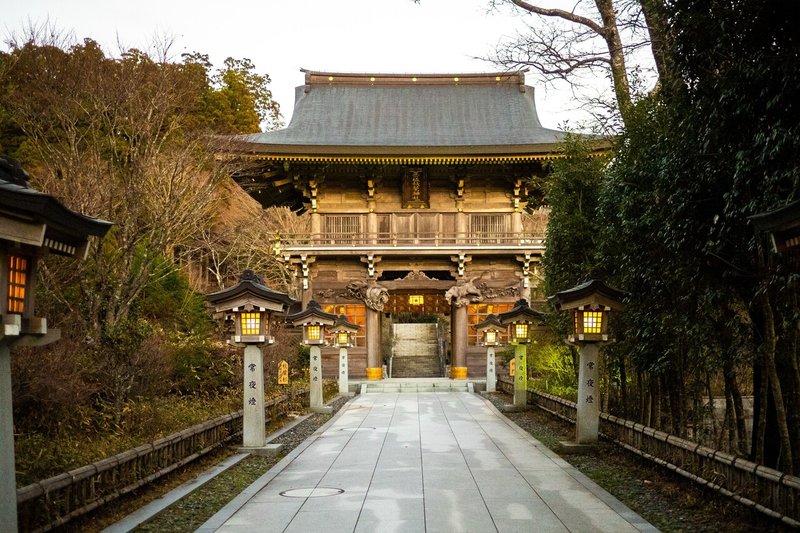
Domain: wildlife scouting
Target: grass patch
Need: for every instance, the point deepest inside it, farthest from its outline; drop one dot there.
(194, 509)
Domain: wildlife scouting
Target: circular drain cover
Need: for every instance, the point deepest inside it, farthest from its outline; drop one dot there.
(316, 492)
(356, 429)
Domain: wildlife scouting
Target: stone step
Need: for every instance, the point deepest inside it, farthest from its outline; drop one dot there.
(417, 386)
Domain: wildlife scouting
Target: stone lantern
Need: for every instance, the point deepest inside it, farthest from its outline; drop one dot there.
(590, 303)
(32, 225)
(314, 321)
(522, 320)
(490, 330)
(343, 333)
(250, 304)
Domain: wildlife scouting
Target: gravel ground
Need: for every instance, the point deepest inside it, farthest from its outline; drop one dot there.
(667, 500)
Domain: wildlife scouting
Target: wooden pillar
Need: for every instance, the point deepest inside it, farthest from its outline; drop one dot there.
(316, 226)
(516, 226)
(374, 359)
(458, 368)
(372, 227)
(461, 227)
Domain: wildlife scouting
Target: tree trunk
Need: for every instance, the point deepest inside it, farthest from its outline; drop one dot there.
(768, 348)
(619, 73)
(661, 43)
(623, 386)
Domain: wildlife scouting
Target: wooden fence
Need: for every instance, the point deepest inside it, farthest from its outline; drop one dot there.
(52, 502)
(767, 490)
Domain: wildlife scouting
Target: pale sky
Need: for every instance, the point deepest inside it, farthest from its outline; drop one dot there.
(282, 36)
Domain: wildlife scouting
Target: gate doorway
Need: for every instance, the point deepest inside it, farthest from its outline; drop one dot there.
(419, 332)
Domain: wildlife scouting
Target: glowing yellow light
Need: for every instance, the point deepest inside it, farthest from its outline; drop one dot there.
(416, 299)
(455, 79)
(592, 321)
(497, 78)
(251, 323)
(521, 331)
(330, 78)
(372, 78)
(313, 332)
(343, 338)
(414, 79)
(17, 277)
(491, 337)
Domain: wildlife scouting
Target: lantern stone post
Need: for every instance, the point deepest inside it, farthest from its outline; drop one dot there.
(591, 303)
(250, 305)
(32, 224)
(314, 321)
(522, 319)
(490, 330)
(343, 332)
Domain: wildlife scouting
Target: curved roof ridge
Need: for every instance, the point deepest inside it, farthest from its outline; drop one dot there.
(327, 78)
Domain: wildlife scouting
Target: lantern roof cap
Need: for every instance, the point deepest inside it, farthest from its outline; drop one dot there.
(341, 324)
(780, 218)
(491, 322)
(594, 292)
(521, 312)
(63, 230)
(251, 287)
(313, 313)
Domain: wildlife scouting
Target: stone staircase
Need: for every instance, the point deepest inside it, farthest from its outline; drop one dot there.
(415, 351)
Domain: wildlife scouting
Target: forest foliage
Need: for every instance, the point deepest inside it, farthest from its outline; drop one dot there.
(126, 138)
(711, 309)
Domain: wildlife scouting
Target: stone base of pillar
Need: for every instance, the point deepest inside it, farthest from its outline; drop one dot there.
(325, 409)
(458, 372)
(568, 447)
(268, 450)
(374, 374)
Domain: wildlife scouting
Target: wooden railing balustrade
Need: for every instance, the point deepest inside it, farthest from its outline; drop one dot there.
(415, 239)
(54, 501)
(767, 490)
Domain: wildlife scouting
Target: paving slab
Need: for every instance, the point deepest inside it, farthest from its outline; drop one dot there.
(425, 462)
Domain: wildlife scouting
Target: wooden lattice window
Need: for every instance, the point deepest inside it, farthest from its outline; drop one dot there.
(342, 228)
(17, 278)
(489, 228)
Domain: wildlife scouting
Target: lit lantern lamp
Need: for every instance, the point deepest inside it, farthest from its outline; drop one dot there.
(522, 320)
(490, 330)
(32, 225)
(590, 303)
(343, 334)
(314, 321)
(251, 304)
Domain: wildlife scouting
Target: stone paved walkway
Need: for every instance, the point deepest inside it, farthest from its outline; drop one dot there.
(423, 462)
